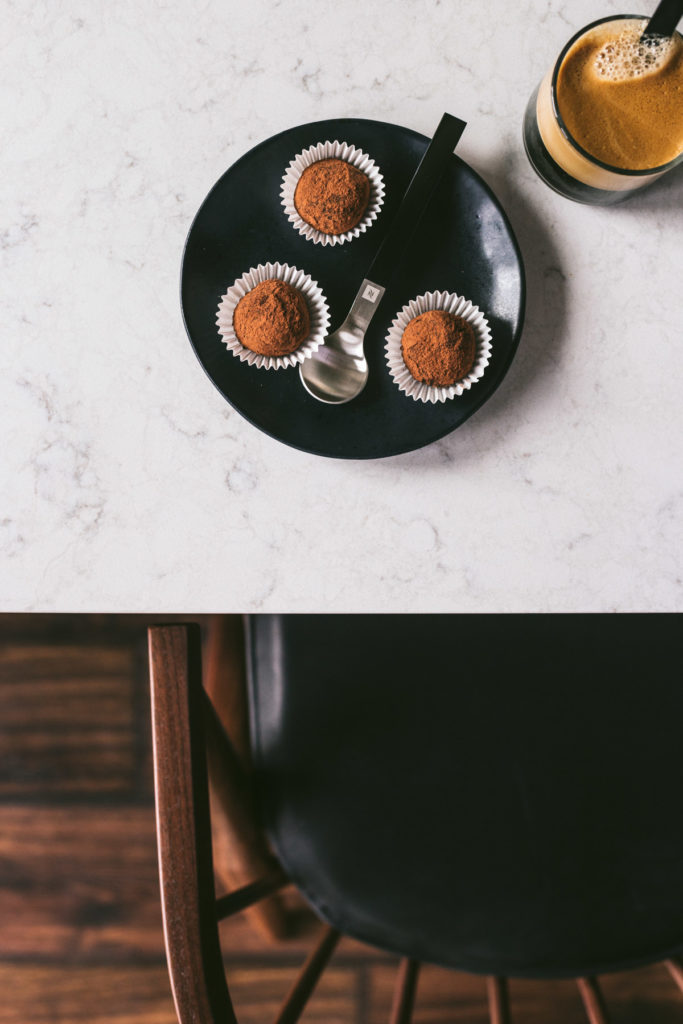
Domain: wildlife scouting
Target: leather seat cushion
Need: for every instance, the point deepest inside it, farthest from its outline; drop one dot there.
(495, 793)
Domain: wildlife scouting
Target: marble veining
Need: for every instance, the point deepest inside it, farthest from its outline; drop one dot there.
(127, 483)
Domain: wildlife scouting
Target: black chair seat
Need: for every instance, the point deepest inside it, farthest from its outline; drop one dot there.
(500, 794)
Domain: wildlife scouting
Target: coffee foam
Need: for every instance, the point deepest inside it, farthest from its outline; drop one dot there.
(624, 56)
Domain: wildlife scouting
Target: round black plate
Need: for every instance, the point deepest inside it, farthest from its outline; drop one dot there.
(463, 243)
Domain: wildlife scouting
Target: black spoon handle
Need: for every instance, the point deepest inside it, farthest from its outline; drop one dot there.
(426, 178)
(663, 22)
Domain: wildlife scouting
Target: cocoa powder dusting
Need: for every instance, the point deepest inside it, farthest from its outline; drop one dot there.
(439, 348)
(272, 319)
(332, 195)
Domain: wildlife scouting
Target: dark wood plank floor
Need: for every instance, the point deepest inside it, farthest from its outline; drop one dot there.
(81, 937)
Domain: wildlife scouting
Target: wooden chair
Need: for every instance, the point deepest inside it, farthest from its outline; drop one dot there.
(191, 747)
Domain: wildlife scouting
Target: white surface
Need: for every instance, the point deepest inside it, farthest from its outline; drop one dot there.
(128, 483)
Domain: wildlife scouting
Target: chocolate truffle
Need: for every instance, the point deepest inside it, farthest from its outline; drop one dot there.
(272, 319)
(439, 348)
(332, 195)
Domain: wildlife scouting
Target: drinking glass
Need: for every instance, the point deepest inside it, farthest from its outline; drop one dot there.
(558, 158)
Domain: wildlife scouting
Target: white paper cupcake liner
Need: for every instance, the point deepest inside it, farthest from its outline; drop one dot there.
(317, 308)
(328, 151)
(451, 303)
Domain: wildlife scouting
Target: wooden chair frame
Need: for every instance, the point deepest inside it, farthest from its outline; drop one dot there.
(182, 718)
(181, 788)
(188, 743)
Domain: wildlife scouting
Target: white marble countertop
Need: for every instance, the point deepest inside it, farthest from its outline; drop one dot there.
(128, 483)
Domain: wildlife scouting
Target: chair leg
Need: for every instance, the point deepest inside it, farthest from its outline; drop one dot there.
(593, 1003)
(404, 992)
(241, 899)
(675, 968)
(241, 855)
(499, 1004)
(310, 974)
(225, 680)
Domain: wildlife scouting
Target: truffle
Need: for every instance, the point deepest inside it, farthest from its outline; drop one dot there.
(439, 348)
(272, 319)
(332, 195)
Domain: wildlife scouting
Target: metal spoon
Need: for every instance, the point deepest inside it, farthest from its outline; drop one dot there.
(338, 371)
(663, 22)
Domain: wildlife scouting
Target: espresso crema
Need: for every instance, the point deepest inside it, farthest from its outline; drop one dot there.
(621, 101)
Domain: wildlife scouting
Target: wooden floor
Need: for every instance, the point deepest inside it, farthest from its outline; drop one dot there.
(81, 936)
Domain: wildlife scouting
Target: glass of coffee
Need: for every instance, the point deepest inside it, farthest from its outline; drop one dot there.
(608, 118)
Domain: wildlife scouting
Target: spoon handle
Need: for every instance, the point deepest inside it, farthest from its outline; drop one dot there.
(424, 181)
(663, 22)
(368, 298)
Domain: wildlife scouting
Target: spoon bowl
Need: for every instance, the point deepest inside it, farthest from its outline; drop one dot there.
(338, 371)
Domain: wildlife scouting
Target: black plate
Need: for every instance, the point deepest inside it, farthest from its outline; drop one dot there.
(463, 244)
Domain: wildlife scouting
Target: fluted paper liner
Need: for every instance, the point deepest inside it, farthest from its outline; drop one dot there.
(329, 151)
(317, 309)
(450, 303)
